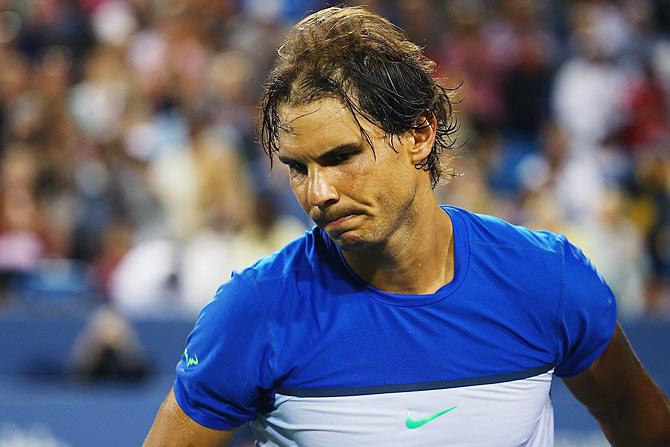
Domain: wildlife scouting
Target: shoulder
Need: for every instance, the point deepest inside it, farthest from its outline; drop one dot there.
(290, 260)
(542, 250)
(274, 277)
(495, 232)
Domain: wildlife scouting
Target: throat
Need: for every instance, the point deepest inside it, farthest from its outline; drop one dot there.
(419, 267)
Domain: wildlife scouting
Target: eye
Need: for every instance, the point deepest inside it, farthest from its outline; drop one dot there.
(339, 158)
(297, 168)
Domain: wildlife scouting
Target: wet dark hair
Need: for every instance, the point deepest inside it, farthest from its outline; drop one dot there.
(367, 63)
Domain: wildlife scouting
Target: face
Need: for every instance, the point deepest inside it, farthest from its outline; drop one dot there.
(360, 197)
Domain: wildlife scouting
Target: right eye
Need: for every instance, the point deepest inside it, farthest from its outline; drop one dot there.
(297, 168)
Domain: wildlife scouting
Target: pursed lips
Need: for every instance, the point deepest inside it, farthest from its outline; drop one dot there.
(338, 220)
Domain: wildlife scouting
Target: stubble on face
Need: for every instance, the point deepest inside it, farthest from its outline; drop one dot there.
(374, 187)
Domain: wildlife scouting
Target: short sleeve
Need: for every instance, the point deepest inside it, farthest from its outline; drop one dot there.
(587, 313)
(224, 377)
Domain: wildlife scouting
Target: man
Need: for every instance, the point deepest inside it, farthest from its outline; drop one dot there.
(396, 321)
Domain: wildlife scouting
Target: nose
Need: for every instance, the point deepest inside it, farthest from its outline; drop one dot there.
(320, 190)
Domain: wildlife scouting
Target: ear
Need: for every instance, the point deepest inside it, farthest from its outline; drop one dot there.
(424, 136)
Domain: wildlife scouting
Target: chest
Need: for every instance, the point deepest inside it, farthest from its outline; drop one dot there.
(512, 413)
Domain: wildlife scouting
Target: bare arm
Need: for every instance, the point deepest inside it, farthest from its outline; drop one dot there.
(620, 394)
(173, 428)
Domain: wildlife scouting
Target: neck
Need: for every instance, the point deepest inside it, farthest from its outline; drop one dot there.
(417, 259)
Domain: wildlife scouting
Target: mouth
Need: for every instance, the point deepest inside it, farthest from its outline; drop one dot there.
(338, 223)
(340, 220)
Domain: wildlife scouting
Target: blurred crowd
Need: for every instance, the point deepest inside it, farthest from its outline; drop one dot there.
(130, 172)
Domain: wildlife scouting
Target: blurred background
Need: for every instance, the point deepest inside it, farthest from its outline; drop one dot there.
(131, 184)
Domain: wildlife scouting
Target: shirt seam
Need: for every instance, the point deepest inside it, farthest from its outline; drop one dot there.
(272, 341)
(516, 247)
(465, 382)
(559, 310)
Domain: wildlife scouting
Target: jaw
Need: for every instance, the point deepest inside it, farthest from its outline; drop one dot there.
(352, 240)
(364, 241)
(377, 233)
(354, 245)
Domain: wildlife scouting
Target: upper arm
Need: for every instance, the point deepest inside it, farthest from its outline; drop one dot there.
(220, 375)
(619, 392)
(225, 377)
(599, 365)
(587, 314)
(611, 377)
(172, 427)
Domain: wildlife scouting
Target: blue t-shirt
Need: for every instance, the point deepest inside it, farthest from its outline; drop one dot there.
(298, 343)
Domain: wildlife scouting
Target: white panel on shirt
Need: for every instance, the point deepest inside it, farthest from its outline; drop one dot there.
(515, 413)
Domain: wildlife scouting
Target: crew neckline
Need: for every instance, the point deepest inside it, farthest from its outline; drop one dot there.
(461, 263)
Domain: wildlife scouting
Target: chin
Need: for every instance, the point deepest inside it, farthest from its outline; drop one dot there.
(353, 241)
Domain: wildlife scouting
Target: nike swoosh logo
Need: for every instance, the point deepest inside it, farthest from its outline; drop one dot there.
(412, 424)
(190, 360)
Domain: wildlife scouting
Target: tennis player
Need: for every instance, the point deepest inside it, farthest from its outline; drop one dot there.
(396, 321)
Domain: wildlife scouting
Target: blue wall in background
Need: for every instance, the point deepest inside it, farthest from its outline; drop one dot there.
(40, 404)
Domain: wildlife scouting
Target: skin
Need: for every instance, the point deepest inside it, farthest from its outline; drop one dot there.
(173, 428)
(382, 213)
(616, 389)
(376, 206)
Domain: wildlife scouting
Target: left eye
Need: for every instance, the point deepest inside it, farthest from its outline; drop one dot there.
(340, 158)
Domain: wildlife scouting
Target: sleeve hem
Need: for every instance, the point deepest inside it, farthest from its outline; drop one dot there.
(592, 358)
(199, 417)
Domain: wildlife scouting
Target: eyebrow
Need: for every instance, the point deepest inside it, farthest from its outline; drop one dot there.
(332, 151)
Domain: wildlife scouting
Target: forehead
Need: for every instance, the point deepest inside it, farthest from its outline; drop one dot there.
(318, 126)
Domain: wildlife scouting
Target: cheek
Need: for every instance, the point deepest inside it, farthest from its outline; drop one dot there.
(393, 178)
(299, 191)
(398, 195)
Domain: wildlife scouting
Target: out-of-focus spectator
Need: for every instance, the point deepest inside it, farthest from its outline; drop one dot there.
(526, 84)
(616, 246)
(569, 173)
(471, 52)
(211, 256)
(652, 213)
(20, 245)
(589, 89)
(202, 185)
(145, 281)
(108, 348)
(648, 112)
